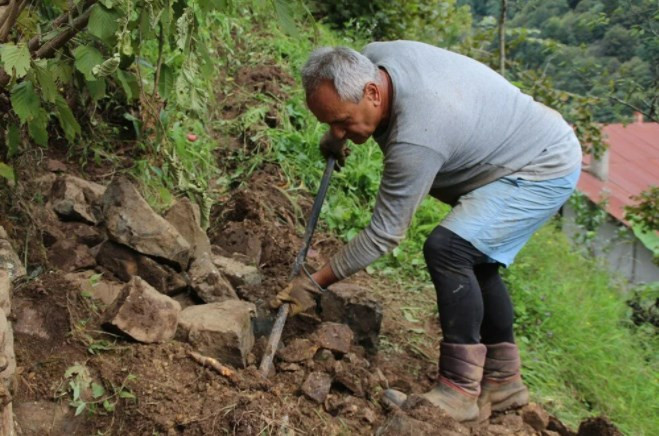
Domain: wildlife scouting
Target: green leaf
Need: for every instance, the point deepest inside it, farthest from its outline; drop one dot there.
(166, 82)
(103, 23)
(46, 81)
(7, 172)
(107, 67)
(37, 127)
(15, 58)
(13, 140)
(129, 84)
(211, 5)
(126, 394)
(97, 390)
(109, 407)
(285, 18)
(25, 101)
(80, 408)
(96, 89)
(66, 119)
(86, 58)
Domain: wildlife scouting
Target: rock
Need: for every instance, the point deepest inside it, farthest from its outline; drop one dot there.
(535, 416)
(557, 426)
(354, 306)
(317, 386)
(184, 215)
(83, 233)
(131, 221)
(6, 290)
(143, 313)
(76, 199)
(400, 424)
(9, 260)
(208, 282)
(94, 285)
(30, 321)
(220, 330)
(599, 426)
(48, 418)
(350, 377)
(237, 272)
(290, 367)
(550, 433)
(333, 336)
(7, 374)
(7, 420)
(298, 350)
(55, 166)
(499, 430)
(511, 421)
(67, 255)
(325, 360)
(126, 263)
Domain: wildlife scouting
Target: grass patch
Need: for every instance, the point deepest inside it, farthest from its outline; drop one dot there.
(582, 355)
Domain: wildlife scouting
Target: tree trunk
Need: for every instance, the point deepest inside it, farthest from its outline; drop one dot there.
(502, 37)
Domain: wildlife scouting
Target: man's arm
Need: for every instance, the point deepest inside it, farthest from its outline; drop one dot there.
(409, 171)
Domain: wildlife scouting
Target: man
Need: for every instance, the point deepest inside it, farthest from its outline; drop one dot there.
(453, 128)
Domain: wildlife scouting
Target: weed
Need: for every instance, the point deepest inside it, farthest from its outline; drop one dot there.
(87, 394)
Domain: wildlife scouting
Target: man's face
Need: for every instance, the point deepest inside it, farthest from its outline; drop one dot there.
(346, 120)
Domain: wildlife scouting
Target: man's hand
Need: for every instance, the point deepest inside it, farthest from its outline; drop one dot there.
(337, 148)
(300, 294)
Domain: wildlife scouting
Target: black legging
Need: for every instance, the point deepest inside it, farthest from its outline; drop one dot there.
(474, 305)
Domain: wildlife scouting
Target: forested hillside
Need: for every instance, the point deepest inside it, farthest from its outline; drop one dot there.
(607, 49)
(161, 151)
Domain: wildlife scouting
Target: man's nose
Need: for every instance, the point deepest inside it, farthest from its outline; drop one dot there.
(338, 132)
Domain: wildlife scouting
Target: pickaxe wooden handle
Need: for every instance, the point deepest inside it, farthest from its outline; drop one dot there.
(282, 314)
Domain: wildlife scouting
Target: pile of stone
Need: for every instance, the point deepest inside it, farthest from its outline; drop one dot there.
(149, 261)
(11, 269)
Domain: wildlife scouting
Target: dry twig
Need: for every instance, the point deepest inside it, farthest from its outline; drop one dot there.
(214, 364)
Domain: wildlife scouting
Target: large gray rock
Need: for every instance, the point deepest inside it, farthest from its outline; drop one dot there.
(9, 260)
(76, 199)
(8, 357)
(354, 306)
(208, 282)
(238, 273)
(90, 284)
(131, 221)
(126, 263)
(220, 330)
(185, 216)
(143, 313)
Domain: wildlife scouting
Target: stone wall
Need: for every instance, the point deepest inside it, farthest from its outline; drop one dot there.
(10, 269)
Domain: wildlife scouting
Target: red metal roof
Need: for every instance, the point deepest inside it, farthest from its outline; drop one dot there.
(633, 166)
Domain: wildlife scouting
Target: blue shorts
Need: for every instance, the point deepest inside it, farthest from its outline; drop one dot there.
(500, 217)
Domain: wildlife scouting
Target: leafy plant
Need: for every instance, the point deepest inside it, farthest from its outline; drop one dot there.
(86, 394)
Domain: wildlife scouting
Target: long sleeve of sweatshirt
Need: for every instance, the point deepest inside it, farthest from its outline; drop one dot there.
(409, 172)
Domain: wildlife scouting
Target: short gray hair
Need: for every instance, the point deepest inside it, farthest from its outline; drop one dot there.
(348, 70)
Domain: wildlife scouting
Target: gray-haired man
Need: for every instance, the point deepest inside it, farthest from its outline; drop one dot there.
(452, 128)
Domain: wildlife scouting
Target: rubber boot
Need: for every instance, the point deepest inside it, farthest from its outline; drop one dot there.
(502, 387)
(458, 387)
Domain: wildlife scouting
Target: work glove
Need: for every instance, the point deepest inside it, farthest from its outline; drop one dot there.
(300, 294)
(337, 148)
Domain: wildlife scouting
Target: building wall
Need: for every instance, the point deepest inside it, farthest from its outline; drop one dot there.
(621, 250)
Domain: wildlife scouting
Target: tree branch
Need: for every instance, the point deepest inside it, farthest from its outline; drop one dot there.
(649, 115)
(65, 18)
(9, 18)
(48, 49)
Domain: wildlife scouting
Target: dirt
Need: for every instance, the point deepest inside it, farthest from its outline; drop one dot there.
(159, 389)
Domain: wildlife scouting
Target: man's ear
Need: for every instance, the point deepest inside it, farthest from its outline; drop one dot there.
(372, 92)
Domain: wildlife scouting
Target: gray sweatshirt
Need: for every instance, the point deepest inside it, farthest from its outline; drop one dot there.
(455, 125)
